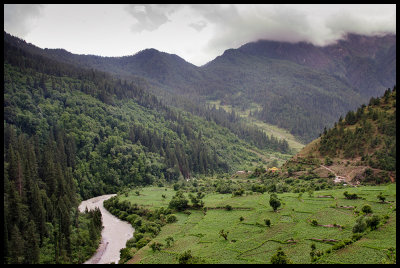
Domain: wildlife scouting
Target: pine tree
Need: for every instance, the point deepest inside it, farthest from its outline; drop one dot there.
(32, 244)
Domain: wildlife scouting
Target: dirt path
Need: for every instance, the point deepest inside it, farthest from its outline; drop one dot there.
(114, 235)
(337, 178)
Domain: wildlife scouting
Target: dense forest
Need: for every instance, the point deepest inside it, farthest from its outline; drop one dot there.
(40, 222)
(369, 133)
(299, 87)
(360, 147)
(72, 133)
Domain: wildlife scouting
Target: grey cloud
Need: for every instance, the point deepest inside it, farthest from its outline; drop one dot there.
(198, 26)
(318, 24)
(18, 18)
(150, 16)
(345, 22)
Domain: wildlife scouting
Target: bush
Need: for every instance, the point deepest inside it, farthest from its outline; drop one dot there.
(179, 202)
(156, 246)
(328, 161)
(169, 240)
(186, 258)
(259, 188)
(223, 234)
(366, 209)
(228, 207)
(171, 218)
(143, 242)
(356, 236)
(373, 222)
(274, 202)
(314, 222)
(131, 243)
(176, 186)
(381, 197)
(131, 218)
(350, 196)
(338, 245)
(238, 192)
(360, 225)
(280, 257)
(125, 254)
(267, 222)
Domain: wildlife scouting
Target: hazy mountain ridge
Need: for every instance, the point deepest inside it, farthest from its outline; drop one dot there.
(300, 87)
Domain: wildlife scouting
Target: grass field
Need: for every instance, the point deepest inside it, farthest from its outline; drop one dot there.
(250, 241)
(269, 129)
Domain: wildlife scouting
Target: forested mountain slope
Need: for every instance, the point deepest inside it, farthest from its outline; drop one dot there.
(299, 87)
(72, 133)
(361, 147)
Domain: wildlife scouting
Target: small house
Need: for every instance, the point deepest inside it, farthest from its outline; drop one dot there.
(273, 169)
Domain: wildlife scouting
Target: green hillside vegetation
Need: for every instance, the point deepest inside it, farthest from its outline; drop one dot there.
(299, 87)
(270, 130)
(360, 147)
(146, 61)
(139, 138)
(231, 227)
(72, 133)
(192, 178)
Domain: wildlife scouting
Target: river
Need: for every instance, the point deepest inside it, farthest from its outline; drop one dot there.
(114, 234)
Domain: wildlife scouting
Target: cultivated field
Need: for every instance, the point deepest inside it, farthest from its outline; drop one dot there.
(251, 241)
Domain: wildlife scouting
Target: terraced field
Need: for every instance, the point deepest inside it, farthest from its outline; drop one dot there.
(251, 241)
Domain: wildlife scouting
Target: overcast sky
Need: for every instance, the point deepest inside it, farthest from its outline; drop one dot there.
(196, 32)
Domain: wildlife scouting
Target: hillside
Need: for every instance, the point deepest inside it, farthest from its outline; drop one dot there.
(361, 147)
(197, 233)
(299, 87)
(72, 133)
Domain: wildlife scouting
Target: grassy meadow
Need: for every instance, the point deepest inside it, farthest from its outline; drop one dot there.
(250, 241)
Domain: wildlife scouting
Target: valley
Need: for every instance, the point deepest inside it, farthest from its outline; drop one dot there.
(238, 161)
(251, 241)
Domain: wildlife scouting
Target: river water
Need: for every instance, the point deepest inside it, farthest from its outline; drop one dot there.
(114, 234)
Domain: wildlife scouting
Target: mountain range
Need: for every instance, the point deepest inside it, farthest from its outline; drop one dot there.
(296, 86)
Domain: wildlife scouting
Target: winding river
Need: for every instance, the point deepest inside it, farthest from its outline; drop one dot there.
(114, 235)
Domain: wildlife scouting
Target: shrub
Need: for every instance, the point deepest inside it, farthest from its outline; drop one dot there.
(179, 202)
(228, 207)
(169, 240)
(366, 209)
(186, 258)
(156, 246)
(381, 197)
(280, 257)
(360, 225)
(338, 245)
(259, 188)
(350, 196)
(267, 222)
(356, 236)
(171, 218)
(125, 254)
(314, 222)
(143, 242)
(223, 234)
(274, 202)
(347, 241)
(131, 243)
(176, 186)
(328, 161)
(373, 222)
(131, 218)
(241, 218)
(238, 192)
